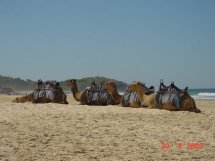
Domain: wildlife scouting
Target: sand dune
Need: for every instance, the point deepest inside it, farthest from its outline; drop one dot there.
(58, 132)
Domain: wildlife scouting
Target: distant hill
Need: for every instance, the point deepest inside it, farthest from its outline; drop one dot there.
(84, 82)
(19, 84)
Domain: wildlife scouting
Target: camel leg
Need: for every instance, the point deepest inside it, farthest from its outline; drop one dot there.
(122, 103)
(134, 105)
(145, 105)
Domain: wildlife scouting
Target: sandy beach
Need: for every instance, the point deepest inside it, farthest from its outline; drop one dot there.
(55, 132)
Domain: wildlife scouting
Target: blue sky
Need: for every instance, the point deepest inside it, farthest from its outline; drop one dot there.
(145, 40)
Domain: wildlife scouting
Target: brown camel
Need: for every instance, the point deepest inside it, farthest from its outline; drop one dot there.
(136, 101)
(79, 96)
(188, 103)
(112, 90)
(59, 97)
(87, 97)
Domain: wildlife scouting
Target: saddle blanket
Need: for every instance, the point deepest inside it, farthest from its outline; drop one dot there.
(99, 95)
(130, 96)
(48, 93)
(167, 98)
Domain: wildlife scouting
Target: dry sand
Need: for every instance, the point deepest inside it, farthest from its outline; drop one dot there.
(55, 132)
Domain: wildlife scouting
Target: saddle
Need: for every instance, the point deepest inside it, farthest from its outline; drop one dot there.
(149, 90)
(46, 90)
(97, 95)
(170, 95)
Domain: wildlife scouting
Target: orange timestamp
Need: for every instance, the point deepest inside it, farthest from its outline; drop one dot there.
(191, 145)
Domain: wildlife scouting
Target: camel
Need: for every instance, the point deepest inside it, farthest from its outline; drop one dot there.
(79, 96)
(59, 97)
(83, 95)
(136, 102)
(112, 90)
(149, 101)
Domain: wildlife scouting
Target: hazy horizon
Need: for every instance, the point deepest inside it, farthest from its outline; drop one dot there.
(125, 40)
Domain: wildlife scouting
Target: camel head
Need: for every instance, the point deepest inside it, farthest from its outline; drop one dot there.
(129, 87)
(16, 100)
(20, 99)
(137, 87)
(110, 86)
(189, 104)
(140, 88)
(72, 83)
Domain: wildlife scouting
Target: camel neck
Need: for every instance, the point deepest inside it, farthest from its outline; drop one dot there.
(116, 96)
(75, 92)
(115, 93)
(141, 95)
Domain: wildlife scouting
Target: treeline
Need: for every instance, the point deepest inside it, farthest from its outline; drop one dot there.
(18, 84)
